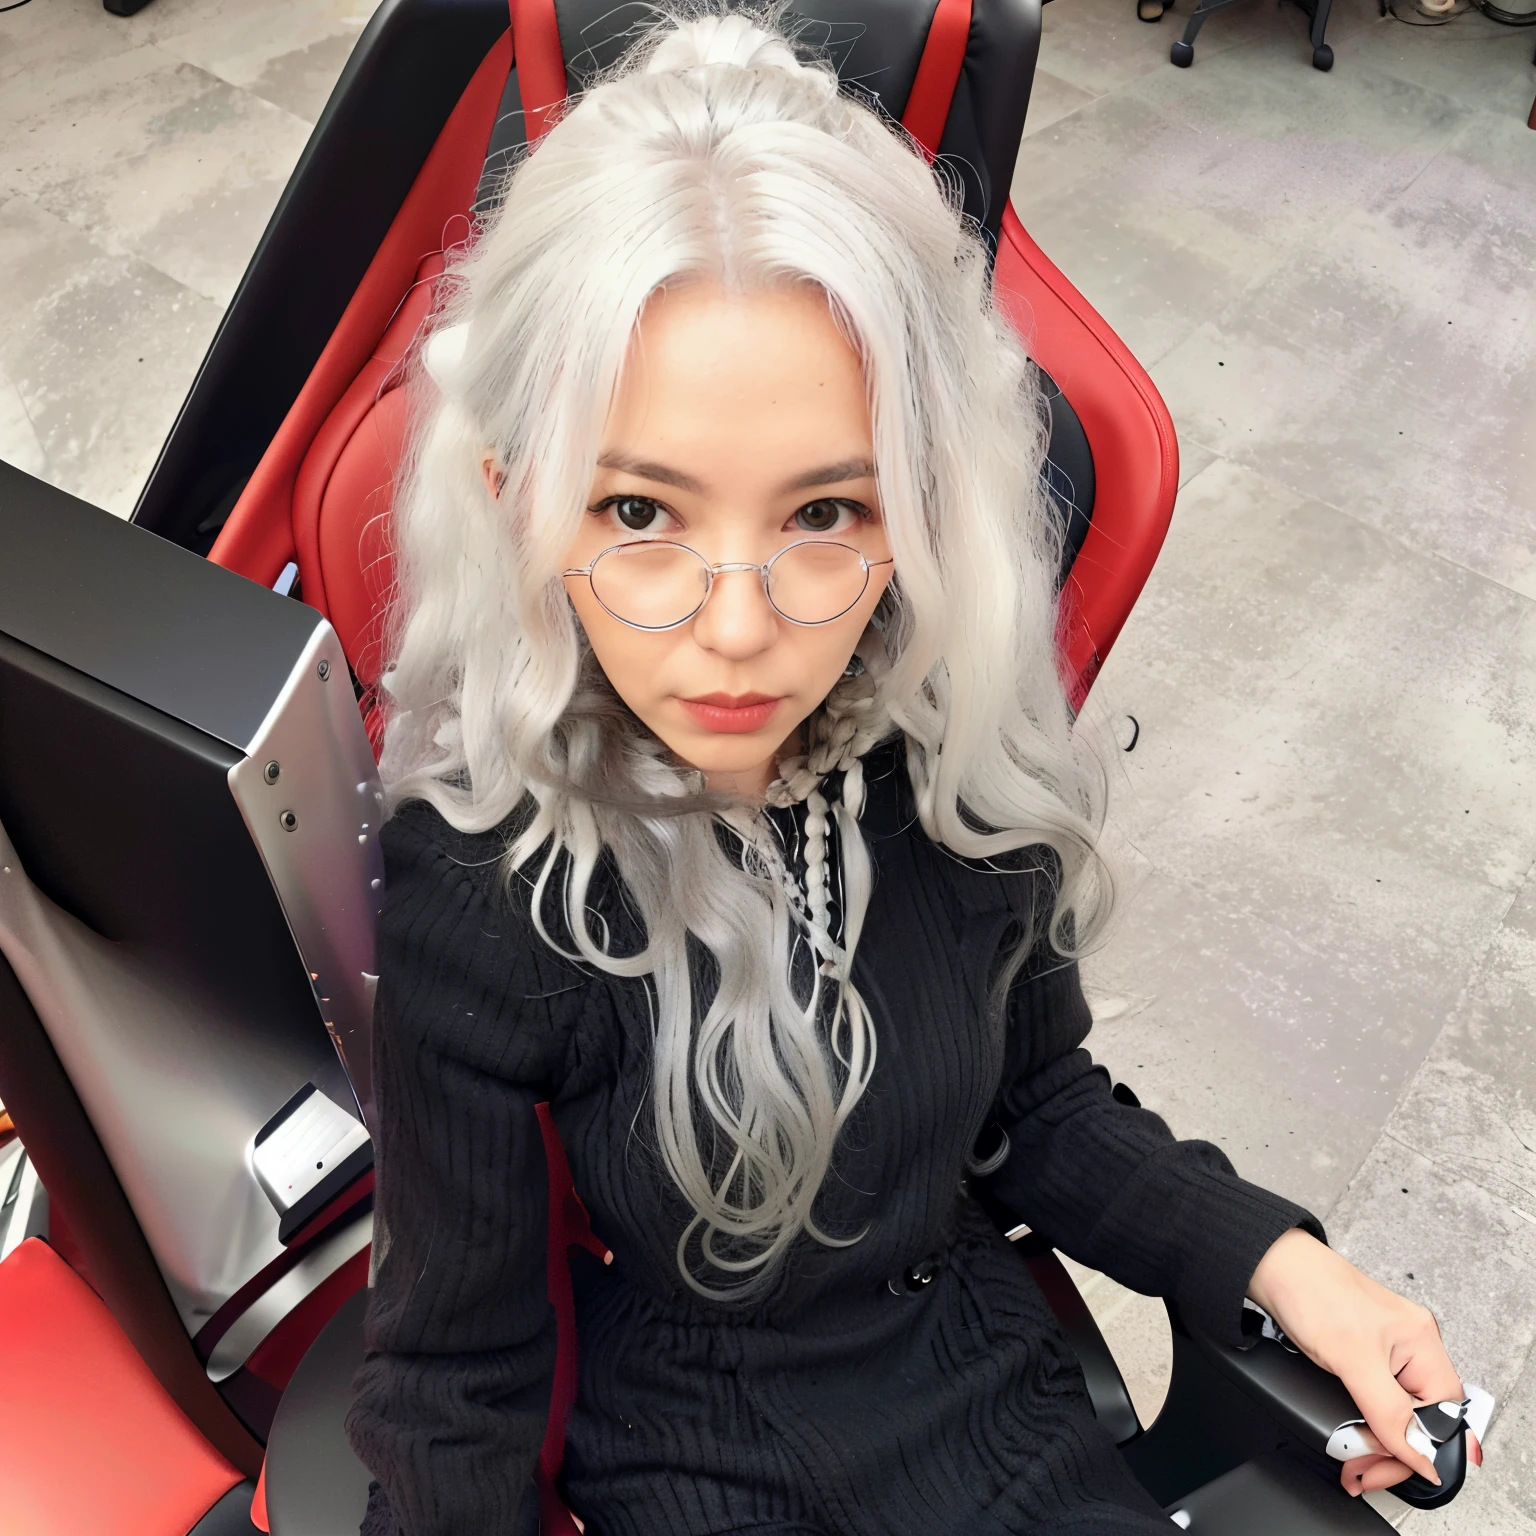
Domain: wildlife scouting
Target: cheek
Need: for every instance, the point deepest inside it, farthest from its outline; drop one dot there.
(630, 658)
(822, 653)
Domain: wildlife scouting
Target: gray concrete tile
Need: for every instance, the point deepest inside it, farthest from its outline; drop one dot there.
(1333, 783)
(1462, 1143)
(1301, 149)
(19, 442)
(59, 127)
(1193, 460)
(1310, 694)
(1168, 210)
(1251, 134)
(1098, 45)
(1151, 266)
(1451, 1245)
(289, 52)
(196, 205)
(1111, 138)
(158, 158)
(56, 38)
(98, 348)
(1390, 367)
(1051, 99)
(1472, 1106)
(1472, 60)
(1511, 1451)
(1241, 1032)
(59, 123)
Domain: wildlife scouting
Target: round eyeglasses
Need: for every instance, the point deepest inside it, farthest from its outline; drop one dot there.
(655, 584)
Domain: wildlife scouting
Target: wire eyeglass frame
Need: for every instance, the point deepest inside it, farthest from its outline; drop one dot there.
(764, 571)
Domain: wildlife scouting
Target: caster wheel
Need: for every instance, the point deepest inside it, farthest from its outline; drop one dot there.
(1322, 57)
(1183, 54)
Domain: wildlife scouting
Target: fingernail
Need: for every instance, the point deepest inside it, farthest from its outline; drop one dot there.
(1420, 1441)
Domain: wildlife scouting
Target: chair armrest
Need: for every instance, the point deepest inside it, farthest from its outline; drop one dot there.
(1111, 1400)
(1312, 1405)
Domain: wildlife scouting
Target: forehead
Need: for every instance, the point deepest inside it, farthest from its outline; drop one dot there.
(760, 381)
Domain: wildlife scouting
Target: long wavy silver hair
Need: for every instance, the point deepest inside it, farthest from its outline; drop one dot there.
(717, 153)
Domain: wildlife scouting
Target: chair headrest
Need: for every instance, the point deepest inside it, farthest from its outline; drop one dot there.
(956, 73)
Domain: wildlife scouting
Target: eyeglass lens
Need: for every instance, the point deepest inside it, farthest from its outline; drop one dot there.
(656, 585)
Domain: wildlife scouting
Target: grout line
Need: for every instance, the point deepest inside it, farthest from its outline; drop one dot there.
(1390, 535)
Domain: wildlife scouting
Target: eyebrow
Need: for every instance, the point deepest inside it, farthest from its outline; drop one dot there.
(832, 474)
(645, 469)
(662, 474)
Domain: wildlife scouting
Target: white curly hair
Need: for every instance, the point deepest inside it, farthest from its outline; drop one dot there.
(717, 153)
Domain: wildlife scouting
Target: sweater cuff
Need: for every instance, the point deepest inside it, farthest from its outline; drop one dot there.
(1233, 1224)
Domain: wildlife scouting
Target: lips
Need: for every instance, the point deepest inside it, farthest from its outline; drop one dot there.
(732, 713)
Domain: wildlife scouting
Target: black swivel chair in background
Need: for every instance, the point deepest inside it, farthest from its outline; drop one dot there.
(1183, 52)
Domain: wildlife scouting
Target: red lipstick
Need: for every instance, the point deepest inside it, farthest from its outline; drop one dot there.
(737, 714)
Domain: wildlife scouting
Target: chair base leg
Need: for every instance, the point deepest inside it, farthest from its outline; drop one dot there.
(1322, 54)
(123, 7)
(1183, 52)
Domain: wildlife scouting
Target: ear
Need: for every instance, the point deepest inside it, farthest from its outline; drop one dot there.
(494, 476)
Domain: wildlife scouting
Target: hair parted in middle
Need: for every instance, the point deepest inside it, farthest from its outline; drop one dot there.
(717, 153)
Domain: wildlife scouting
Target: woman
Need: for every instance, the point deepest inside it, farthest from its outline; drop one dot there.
(738, 815)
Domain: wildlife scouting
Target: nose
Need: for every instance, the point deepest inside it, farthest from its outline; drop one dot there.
(737, 621)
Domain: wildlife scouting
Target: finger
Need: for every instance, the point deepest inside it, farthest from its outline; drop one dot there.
(1388, 1409)
(1352, 1473)
(1384, 1474)
(1424, 1369)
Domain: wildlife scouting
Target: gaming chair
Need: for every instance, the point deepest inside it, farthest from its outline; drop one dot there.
(188, 823)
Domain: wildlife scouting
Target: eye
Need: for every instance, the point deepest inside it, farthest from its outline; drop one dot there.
(830, 514)
(635, 514)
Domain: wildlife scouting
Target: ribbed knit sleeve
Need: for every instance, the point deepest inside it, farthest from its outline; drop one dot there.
(453, 1397)
(1108, 1184)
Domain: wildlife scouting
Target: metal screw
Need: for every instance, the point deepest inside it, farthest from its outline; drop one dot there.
(271, 771)
(289, 821)
(324, 669)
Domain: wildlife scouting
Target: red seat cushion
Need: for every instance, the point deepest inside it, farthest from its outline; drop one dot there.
(89, 1440)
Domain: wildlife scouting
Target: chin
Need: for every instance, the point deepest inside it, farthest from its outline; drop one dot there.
(726, 753)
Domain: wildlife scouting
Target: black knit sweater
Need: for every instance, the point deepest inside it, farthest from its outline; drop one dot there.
(838, 1402)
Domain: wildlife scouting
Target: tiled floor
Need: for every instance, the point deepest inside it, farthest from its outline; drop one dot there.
(1328, 959)
(139, 161)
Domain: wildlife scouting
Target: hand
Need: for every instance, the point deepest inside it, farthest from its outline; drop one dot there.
(1383, 1347)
